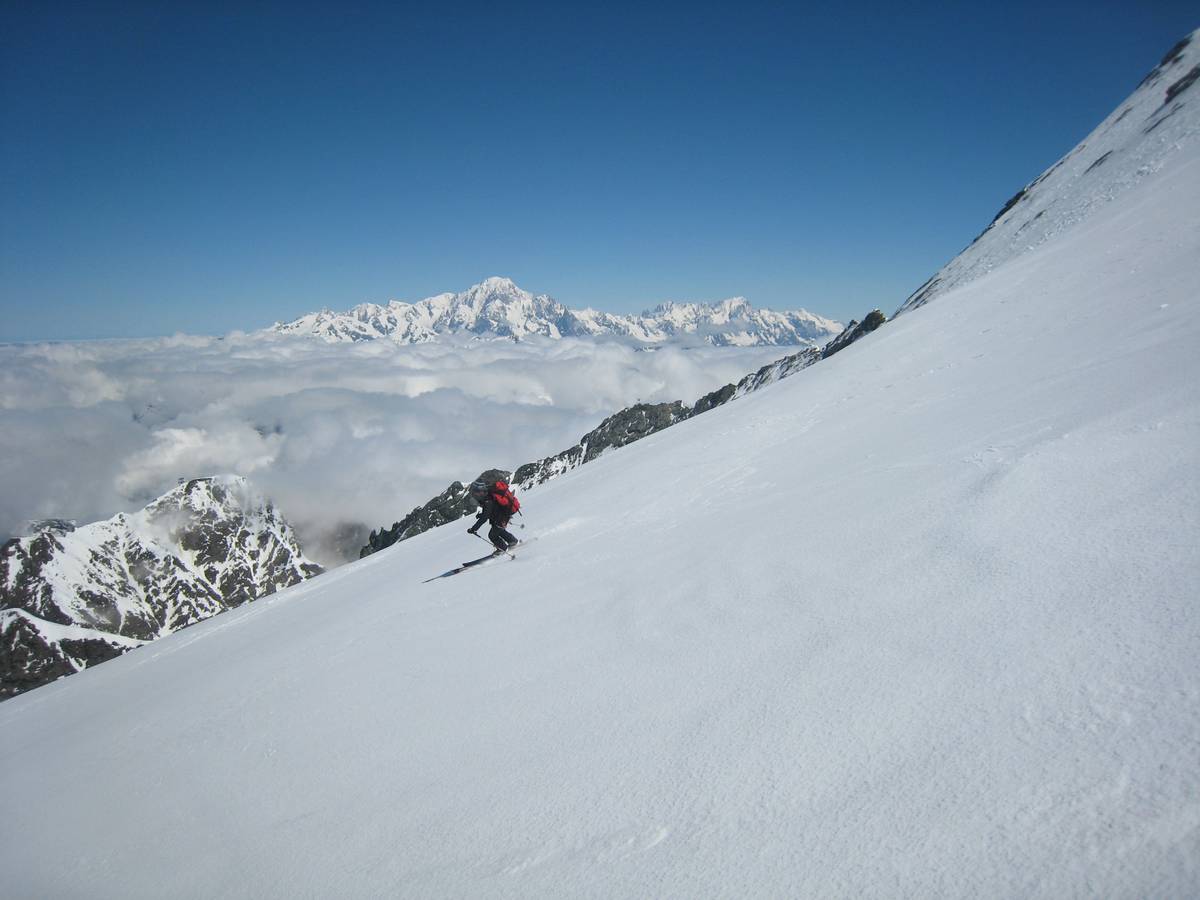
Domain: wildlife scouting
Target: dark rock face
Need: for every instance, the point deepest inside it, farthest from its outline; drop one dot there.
(1099, 162)
(26, 658)
(70, 599)
(61, 526)
(30, 658)
(1012, 201)
(631, 424)
(776, 371)
(1182, 84)
(714, 399)
(854, 331)
(1172, 56)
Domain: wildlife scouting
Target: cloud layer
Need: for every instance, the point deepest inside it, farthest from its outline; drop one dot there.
(336, 434)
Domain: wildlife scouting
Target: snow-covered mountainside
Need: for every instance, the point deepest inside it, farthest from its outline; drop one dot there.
(1157, 121)
(71, 597)
(498, 308)
(917, 621)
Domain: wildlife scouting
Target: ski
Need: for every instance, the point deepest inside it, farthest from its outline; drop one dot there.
(468, 565)
(476, 562)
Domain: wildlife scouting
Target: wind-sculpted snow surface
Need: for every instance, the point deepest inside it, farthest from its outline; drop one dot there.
(921, 622)
(1158, 122)
(497, 308)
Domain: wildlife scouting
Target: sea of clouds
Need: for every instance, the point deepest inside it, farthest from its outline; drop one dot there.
(343, 437)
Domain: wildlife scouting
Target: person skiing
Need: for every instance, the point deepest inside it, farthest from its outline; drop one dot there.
(497, 505)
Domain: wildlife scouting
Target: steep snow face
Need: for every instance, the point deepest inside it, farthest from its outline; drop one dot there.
(497, 308)
(74, 598)
(1158, 122)
(919, 620)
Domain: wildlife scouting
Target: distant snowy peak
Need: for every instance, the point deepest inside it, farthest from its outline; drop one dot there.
(1141, 136)
(737, 322)
(498, 308)
(72, 597)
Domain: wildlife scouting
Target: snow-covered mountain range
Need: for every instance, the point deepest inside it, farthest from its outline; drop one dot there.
(919, 620)
(497, 308)
(71, 597)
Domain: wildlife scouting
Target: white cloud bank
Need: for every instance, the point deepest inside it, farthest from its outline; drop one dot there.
(334, 433)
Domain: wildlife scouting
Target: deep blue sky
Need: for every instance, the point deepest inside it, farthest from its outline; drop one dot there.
(168, 168)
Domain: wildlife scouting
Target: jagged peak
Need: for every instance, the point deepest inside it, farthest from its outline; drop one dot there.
(496, 290)
(226, 493)
(497, 284)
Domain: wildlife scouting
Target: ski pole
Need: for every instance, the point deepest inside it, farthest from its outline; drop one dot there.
(490, 544)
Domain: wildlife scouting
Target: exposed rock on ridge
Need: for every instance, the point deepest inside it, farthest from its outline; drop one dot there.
(854, 331)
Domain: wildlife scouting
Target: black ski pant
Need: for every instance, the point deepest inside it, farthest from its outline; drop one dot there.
(501, 538)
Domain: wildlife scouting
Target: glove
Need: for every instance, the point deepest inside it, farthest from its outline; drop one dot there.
(472, 529)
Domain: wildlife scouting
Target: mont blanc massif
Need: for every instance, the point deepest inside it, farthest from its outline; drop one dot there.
(909, 611)
(498, 308)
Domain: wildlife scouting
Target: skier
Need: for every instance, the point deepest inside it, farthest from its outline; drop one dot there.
(496, 505)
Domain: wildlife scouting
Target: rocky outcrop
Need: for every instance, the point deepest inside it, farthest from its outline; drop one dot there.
(854, 331)
(776, 371)
(32, 654)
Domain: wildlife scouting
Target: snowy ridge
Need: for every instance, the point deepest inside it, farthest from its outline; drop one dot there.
(497, 308)
(206, 546)
(1156, 123)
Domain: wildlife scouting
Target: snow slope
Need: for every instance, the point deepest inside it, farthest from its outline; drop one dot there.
(918, 621)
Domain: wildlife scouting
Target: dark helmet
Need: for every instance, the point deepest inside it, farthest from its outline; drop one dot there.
(480, 489)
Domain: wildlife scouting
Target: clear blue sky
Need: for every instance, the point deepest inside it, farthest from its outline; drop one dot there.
(170, 167)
